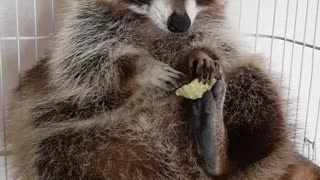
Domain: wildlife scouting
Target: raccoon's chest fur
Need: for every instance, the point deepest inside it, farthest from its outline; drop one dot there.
(168, 48)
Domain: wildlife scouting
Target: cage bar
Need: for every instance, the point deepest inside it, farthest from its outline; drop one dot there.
(53, 16)
(273, 29)
(35, 28)
(285, 42)
(257, 26)
(3, 115)
(18, 39)
(291, 62)
(311, 80)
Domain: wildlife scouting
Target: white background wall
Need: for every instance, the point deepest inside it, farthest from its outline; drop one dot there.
(26, 28)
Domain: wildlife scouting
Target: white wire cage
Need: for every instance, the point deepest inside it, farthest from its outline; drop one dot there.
(286, 32)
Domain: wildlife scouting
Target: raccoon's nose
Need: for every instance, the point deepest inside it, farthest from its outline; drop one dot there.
(179, 23)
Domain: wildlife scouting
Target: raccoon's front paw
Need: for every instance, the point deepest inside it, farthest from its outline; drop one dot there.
(203, 67)
(162, 76)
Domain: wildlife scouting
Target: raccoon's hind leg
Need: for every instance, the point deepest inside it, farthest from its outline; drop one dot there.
(256, 143)
(208, 126)
(258, 138)
(209, 129)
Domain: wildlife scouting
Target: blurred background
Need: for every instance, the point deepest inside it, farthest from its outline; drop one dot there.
(286, 32)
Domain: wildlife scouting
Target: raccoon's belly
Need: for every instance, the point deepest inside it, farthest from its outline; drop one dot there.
(159, 142)
(162, 116)
(150, 140)
(164, 131)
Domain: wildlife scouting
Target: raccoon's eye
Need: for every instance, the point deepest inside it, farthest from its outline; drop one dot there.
(138, 2)
(141, 2)
(204, 2)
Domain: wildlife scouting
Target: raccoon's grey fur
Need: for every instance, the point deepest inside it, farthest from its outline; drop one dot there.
(101, 106)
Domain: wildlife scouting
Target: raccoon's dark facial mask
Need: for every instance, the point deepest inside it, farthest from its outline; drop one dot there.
(171, 15)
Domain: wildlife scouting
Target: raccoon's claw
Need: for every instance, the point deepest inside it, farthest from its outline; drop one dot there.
(162, 76)
(203, 67)
(169, 79)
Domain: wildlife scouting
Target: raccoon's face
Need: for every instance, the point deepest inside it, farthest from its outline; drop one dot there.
(172, 15)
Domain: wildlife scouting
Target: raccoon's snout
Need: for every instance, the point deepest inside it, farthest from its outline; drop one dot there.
(179, 23)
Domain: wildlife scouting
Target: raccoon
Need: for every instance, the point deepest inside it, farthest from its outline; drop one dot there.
(102, 104)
